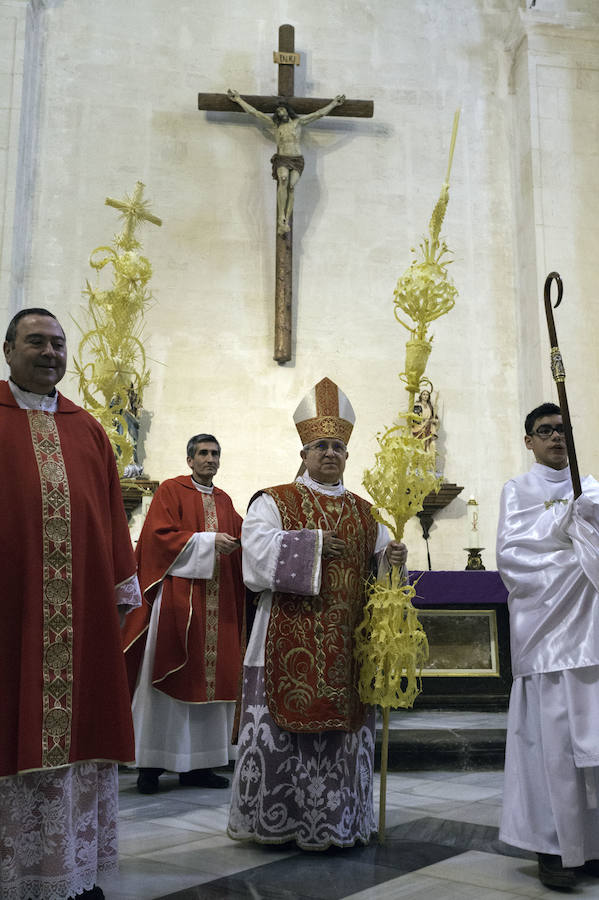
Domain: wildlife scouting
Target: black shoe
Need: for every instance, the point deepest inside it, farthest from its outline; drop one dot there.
(203, 778)
(147, 780)
(552, 873)
(94, 893)
(591, 867)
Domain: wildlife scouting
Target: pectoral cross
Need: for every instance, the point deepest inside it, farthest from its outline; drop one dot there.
(287, 164)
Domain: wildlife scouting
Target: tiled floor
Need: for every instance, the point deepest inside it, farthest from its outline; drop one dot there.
(441, 844)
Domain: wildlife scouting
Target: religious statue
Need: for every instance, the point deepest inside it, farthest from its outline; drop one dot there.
(428, 427)
(130, 414)
(287, 162)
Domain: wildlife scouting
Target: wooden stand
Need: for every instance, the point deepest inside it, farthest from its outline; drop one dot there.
(133, 489)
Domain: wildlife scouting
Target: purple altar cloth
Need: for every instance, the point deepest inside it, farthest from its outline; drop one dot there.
(458, 588)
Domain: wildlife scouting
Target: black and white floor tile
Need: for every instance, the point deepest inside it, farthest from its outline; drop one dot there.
(441, 844)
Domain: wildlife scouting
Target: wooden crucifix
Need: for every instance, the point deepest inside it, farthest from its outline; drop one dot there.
(290, 113)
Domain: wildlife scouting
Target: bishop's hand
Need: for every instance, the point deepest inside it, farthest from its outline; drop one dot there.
(332, 546)
(396, 553)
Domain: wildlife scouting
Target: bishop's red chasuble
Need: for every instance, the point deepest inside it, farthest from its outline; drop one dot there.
(65, 546)
(198, 646)
(310, 671)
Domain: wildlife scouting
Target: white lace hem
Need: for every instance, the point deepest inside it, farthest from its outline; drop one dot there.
(58, 831)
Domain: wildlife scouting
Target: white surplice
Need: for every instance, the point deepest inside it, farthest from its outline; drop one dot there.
(548, 558)
(169, 733)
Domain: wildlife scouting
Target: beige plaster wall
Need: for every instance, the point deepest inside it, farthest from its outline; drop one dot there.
(555, 80)
(117, 103)
(13, 15)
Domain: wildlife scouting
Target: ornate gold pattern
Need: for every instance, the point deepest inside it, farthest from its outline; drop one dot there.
(43, 426)
(557, 365)
(324, 427)
(52, 470)
(212, 588)
(57, 721)
(327, 398)
(55, 499)
(310, 668)
(56, 529)
(56, 590)
(57, 663)
(58, 688)
(58, 654)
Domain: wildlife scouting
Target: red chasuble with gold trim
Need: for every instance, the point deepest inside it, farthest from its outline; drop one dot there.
(198, 647)
(310, 671)
(65, 546)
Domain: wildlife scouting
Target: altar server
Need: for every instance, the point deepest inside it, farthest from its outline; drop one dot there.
(548, 557)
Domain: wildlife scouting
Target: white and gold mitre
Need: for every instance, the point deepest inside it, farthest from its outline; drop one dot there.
(325, 412)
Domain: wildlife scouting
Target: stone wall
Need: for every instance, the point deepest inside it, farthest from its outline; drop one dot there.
(110, 96)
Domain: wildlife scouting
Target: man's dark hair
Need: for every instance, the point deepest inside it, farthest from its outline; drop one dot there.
(11, 331)
(290, 112)
(193, 442)
(545, 409)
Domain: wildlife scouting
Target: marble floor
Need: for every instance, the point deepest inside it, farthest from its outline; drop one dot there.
(441, 844)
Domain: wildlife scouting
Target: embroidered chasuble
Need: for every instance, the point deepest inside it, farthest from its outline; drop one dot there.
(310, 670)
(199, 641)
(65, 551)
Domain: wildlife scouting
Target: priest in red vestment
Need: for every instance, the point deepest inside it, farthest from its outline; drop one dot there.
(68, 570)
(183, 646)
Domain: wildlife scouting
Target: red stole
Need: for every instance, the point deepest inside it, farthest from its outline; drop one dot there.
(198, 647)
(310, 670)
(65, 546)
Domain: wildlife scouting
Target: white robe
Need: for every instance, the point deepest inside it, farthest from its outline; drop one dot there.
(548, 558)
(169, 733)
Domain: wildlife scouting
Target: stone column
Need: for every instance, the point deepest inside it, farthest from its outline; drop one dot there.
(555, 88)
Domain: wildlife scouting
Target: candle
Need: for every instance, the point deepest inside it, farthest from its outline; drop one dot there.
(473, 538)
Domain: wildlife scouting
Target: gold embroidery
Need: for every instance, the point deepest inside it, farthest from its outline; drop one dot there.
(326, 395)
(55, 499)
(324, 427)
(57, 721)
(58, 655)
(56, 529)
(309, 667)
(57, 590)
(51, 470)
(57, 663)
(212, 587)
(550, 503)
(58, 688)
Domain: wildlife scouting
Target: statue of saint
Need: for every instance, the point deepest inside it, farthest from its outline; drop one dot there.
(288, 162)
(428, 427)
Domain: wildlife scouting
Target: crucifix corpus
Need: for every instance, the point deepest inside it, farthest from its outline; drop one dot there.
(287, 116)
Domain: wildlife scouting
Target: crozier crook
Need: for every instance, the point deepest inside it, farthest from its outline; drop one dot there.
(559, 376)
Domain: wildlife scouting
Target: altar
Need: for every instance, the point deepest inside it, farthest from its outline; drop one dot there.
(465, 616)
